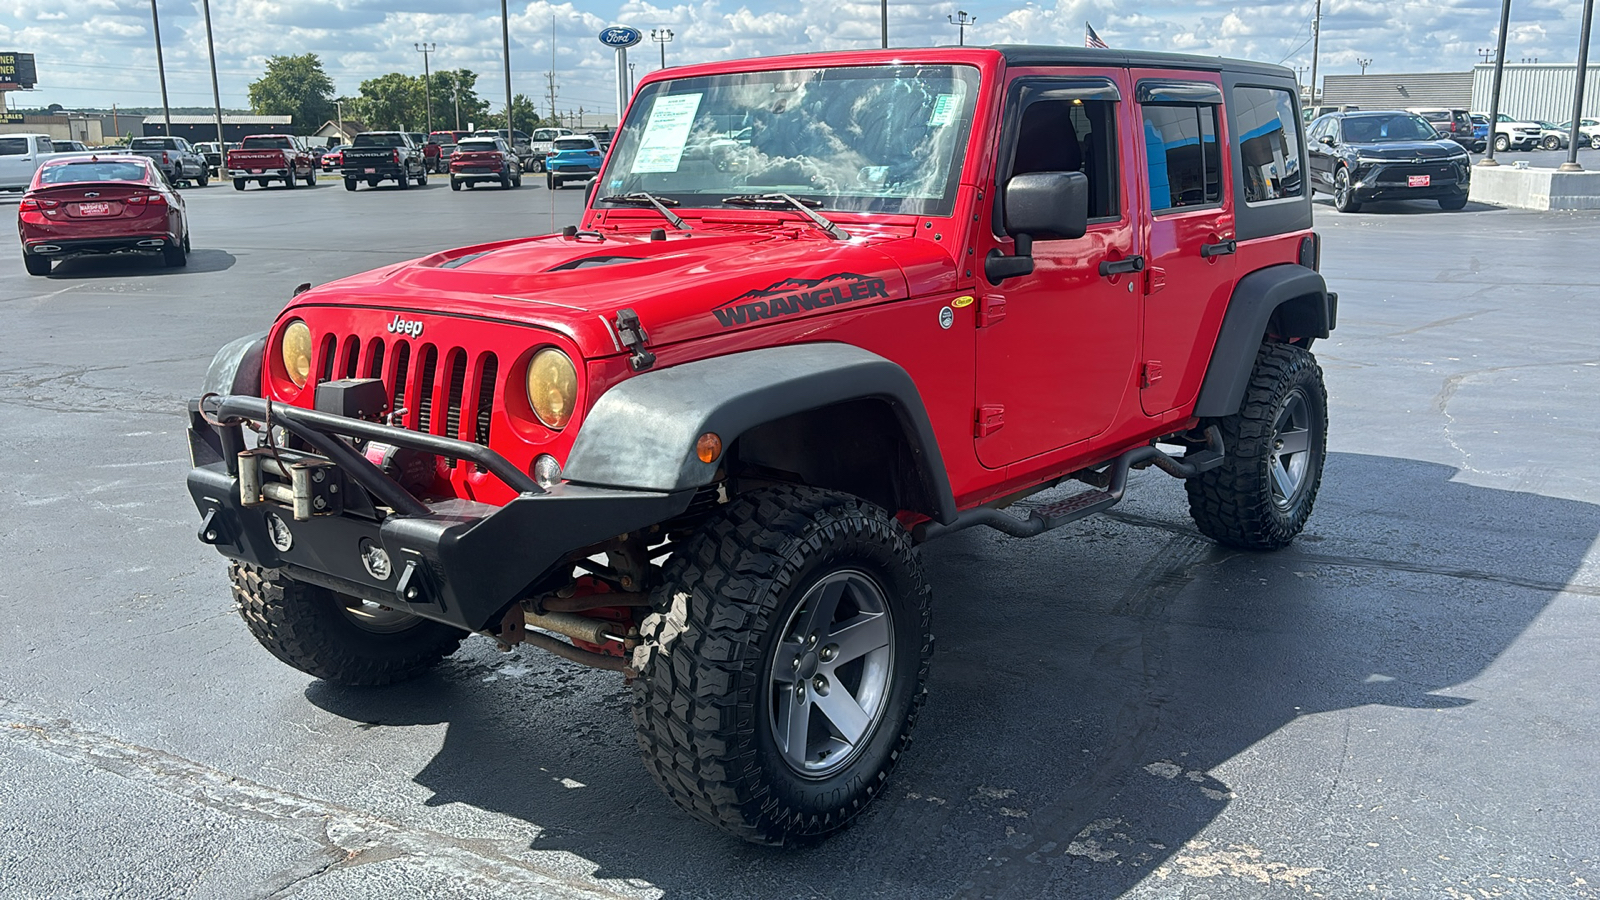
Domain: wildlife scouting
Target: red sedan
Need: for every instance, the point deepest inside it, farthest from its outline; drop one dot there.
(79, 205)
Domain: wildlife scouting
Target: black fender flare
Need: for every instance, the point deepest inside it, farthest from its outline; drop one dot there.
(236, 368)
(1299, 298)
(641, 433)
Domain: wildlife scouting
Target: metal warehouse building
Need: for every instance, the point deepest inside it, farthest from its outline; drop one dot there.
(204, 128)
(1537, 90)
(1528, 91)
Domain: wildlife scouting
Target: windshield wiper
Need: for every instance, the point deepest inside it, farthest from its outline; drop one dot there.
(640, 198)
(804, 206)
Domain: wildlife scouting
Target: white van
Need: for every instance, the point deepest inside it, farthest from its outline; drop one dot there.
(20, 155)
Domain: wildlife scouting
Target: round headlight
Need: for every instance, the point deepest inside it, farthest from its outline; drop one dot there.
(552, 387)
(296, 346)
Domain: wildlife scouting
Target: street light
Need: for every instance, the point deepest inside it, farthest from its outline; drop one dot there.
(962, 24)
(1363, 63)
(161, 68)
(427, 79)
(662, 36)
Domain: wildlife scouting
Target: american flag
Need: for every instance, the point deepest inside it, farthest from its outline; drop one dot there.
(1090, 39)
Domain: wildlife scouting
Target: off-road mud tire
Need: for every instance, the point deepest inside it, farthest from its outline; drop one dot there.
(1235, 503)
(303, 625)
(704, 688)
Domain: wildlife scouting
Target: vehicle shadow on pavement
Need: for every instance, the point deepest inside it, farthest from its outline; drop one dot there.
(1099, 696)
(1403, 207)
(140, 264)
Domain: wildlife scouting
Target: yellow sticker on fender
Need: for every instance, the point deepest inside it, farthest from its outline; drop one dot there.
(962, 302)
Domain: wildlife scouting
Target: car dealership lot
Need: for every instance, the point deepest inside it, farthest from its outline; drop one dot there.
(1400, 705)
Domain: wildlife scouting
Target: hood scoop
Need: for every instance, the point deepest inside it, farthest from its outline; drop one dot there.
(594, 262)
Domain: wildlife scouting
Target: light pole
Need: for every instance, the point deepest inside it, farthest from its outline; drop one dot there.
(961, 23)
(1487, 53)
(455, 92)
(1494, 96)
(1584, 24)
(216, 92)
(1363, 63)
(662, 36)
(505, 41)
(884, 14)
(1316, 50)
(338, 110)
(161, 67)
(427, 79)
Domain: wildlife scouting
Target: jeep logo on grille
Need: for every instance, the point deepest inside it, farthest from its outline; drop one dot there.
(402, 326)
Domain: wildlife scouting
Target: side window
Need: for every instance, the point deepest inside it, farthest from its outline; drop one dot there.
(45, 146)
(1185, 164)
(1268, 132)
(1072, 136)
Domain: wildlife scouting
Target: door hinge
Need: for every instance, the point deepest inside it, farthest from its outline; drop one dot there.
(1154, 280)
(1150, 374)
(991, 309)
(991, 418)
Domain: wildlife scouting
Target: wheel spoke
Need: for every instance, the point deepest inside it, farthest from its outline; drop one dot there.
(820, 609)
(783, 661)
(1297, 441)
(859, 636)
(847, 716)
(1281, 477)
(794, 720)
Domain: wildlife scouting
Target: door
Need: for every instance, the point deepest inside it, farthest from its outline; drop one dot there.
(1320, 153)
(1056, 348)
(1189, 238)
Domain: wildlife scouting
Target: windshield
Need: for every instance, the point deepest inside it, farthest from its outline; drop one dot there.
(872, 138)
(266, 143)
(74, 172)
(1387, 129)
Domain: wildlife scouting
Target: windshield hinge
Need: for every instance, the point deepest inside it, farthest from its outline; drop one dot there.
(633, 336)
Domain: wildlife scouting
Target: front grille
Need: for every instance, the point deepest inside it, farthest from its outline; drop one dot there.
(1397, 174)
(422, 382)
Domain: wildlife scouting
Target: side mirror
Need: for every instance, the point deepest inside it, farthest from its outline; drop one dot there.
(1043, 206)
(1326, 139)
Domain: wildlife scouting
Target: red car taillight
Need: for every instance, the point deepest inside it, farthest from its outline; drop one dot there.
(32, 205)
(164, 159)
(146, 200)
(396, 154)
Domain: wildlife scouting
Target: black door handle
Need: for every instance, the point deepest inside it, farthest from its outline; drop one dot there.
(1126, 266)
(1225, 248)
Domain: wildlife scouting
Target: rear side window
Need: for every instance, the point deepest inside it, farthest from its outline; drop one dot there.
(1185, 165)
(1269, 144)
(13, 146)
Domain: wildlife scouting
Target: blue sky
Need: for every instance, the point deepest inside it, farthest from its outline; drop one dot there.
(97, 52)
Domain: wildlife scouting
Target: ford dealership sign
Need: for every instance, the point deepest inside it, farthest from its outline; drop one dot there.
(621, 36)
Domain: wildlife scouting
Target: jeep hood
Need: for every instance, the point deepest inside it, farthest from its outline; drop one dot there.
(689, 285)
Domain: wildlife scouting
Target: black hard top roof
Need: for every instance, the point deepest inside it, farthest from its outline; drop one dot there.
(1037, 55)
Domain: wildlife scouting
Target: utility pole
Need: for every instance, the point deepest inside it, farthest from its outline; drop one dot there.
(1584, 24)
(1494, 97)
(505, 41)
(1316, 48)
(161, 67)
(961, 21)
(455, 90)
(1363, 63)
(216, 92)
(551, 78)
(338, 110)
(427, 79)
(662, 36)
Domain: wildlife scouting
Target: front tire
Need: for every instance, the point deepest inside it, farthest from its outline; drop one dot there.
(1262, 494)
(1453, 203)
(336, 638)
(1501, 143)
(311, 177)
(780, 685)
(1344, 194)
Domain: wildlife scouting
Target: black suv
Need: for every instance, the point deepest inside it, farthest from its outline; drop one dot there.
(1385, 155)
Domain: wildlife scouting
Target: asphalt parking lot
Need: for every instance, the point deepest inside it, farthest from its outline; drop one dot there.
(1402, 704)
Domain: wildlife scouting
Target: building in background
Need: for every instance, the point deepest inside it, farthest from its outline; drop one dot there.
(91, 128)
(1537, 90)
(234, 128)
(1405, 91)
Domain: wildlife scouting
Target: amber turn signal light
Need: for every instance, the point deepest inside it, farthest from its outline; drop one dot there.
(708, 447)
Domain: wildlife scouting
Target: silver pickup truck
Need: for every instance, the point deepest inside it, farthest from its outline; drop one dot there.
(175, 157)
(20, 155)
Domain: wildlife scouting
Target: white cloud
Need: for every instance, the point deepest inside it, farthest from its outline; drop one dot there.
(99, 52)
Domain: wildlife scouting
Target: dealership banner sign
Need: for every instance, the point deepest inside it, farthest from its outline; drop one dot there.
(16, 71)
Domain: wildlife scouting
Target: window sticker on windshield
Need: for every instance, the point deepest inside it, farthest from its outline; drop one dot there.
(666, 133)
(945, 107)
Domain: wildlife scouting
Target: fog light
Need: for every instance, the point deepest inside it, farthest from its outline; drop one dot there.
(278, 532)
(546, 471)
(375, 560)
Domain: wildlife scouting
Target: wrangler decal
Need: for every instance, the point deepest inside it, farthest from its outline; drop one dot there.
(794, 295)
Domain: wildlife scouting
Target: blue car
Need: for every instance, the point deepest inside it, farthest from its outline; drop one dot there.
(572, 158)
(1480, 129)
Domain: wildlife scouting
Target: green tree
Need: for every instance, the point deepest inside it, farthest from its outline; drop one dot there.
(392, 102)
(451, 86)
(294, 86)
(523, 113)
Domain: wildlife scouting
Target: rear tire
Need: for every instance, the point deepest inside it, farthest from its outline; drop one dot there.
(175, 255)
(314, 630)
(35, 264)
(729, 706)
(455, 185)
(505, 181)
(290, 181)
(1453, 203)
(1262, 494)
(349, 184)
(205, 177)
(238, 184)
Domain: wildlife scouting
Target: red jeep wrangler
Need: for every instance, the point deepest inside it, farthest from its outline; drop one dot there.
(820, 310)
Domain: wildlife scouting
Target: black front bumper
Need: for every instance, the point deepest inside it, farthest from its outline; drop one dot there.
(138, 243)
(455, 561)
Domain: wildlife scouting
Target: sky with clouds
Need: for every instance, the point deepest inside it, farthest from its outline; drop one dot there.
(93, 53)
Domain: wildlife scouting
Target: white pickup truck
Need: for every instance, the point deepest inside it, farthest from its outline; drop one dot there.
(20, 155)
